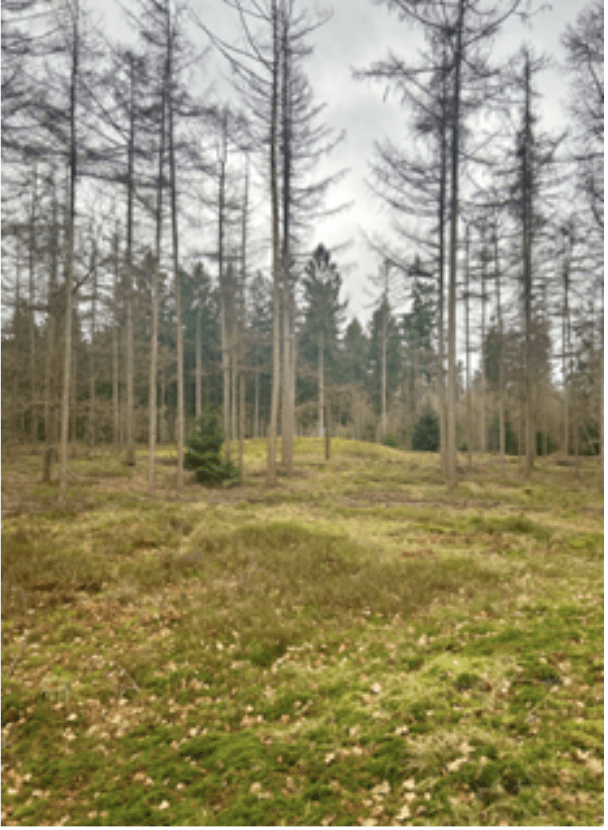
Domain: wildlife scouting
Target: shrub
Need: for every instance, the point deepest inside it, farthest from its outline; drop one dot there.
(390, 441)
(426, 432)
(204, 445)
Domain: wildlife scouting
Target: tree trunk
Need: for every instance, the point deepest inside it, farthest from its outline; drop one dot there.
(241, 419)
(566, 352)
(527, 187)
(601, 408)
(482, 425)
(152, 382)
(198, 366)
(451, 397)
(115, 330)
(92, 426)
(256, 406)
(32, 318)
(501, 383)
(69, 275)
(467, 347)
(274, 199)
(50, 425)
(223, 288)
(384, 337)
(234, 372)
(130, 449)
(441, 291)
(176, 278)
(288, 406)
(321, 383)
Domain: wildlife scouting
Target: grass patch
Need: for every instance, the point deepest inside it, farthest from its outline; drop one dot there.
(351, 646)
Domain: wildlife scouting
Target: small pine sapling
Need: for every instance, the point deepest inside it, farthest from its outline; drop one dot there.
(202, 455)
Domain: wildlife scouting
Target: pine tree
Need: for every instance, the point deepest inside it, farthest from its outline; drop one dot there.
(203, 453)
(323, 317)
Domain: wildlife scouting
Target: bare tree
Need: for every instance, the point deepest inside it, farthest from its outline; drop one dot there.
(459, 27)
(74, 45)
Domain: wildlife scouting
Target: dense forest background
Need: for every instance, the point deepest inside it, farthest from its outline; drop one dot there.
(161, 247)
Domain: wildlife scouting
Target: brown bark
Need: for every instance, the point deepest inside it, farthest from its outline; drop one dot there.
(69, 271)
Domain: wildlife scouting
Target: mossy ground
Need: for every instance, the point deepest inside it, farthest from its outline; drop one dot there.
(351, 646)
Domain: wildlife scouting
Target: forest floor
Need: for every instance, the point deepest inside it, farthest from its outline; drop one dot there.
(354, 646)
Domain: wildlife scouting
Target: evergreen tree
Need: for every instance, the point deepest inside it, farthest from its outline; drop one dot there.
(354, 358)
(323, 317)
(383, 321)
(203, 453)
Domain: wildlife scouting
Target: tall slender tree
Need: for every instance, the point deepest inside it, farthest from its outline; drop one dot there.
(460, 27)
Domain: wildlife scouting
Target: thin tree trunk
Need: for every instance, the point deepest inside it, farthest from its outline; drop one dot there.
(321, 383)
(256, 406)
(468, 346)
(198, 366)
(152, 383)
(73, 408)
(18, 408)
(49, 422)
(482, 429)
(176, 278)
(223, 288)
(441, 291)
(287, 409)
(130, 450)
(115, 329)
(501, 383)
(545, 393)
(242, 315)
(92, 426)
(601, 408)
(384, 337)
(234, 372)
(163, 423)
(274, 199)
(241, 419)
(32, 319)
(527, 186)
(451, 402)
(566, 352)
(69, 275)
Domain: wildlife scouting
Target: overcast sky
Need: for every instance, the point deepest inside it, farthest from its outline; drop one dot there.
(358, 33)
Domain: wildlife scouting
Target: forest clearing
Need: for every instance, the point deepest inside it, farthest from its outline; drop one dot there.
(355, 645)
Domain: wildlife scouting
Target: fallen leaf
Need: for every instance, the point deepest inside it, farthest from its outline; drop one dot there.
(409, 784)
(382, 789)
(595, 766)
(454, 765)
(403, 813)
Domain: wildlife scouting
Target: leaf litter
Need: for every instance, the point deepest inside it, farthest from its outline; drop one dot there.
(142, 686)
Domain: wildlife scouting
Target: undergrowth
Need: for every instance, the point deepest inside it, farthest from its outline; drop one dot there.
(352, 646)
